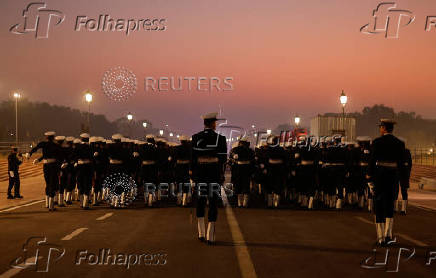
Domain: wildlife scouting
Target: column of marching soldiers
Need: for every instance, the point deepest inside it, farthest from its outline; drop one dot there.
(329, 174)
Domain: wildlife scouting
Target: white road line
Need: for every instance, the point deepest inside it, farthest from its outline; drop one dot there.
(403, 236)
(21, 206)
(245, 263)
(74, 233)
(13, 271)
(107, 215)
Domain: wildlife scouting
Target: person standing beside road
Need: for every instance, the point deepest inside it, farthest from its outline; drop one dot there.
(14, 161)
(386, 164)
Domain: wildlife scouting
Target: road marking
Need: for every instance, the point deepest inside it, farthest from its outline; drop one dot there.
(13, 271)
(21, 206)
(245, 263)
(107, 215)
(403, 236)
(74, 233)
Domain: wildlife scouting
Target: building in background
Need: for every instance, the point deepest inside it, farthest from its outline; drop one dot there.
(333, 125)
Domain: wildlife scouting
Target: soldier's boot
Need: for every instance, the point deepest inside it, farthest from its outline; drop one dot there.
(260, 189)
(61, 200)
(276, 200)
(68, 198)
(299, 199)
(210, 236)
(150, 199)
(179, 199)
(388, 230)
(396, 205)
(114, 202)
(370, 204)
(240, 200)
(270, 200)
(201, 228)
(305, 202)
(51, 204)
(380, 228)
(85, 203)
(55, 199)
(361, 201)
(245, 203)
(310, 206)
(350, 198)
(158, 195)
(403, 207)
(94, 199)
(339, 203)
(99, 196)
(184, 199)
(46, 201)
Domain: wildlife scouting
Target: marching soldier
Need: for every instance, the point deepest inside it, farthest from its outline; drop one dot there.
(277, 170)
(149, 156)
(85, 169)
(405, 181)
(68, 171)
(242, 163)
(100, 164)
(51, 155)
(182, 160)
(62, 172)
(14, 163)
(362, 182)
(306, 172)
(385, 165)
(209, 155)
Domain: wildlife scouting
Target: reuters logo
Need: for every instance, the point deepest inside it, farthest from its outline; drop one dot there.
(119, 84)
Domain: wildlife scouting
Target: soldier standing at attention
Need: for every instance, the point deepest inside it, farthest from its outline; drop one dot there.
(14, 178)
(209, 155)
(385, 166)
(51, 156)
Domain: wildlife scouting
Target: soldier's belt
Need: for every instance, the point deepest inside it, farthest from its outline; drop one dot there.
(333, 164)
(363, 164)
(207, 160)
(148, 162)
(243, 162)
(386, 164)
(115, 161)
(306, 162)
(182, 161)
(48, 160)
(83, 161)
(275, 161)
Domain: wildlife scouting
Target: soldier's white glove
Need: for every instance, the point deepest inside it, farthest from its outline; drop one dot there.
(11, 174)
(64, 165)
(75, 164)
(371, 187)
(36, 161)
(170, 158)
(297, 155)
(26, 155)
(235, 156)
(95, 154)
(135, 154)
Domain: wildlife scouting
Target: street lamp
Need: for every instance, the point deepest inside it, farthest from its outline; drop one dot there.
(88, 99)
(297, 120)
(144, 124)
(171, 134)
(161, 132)
(129, 117)
(343, 99)
(268, 131)
(16, 96)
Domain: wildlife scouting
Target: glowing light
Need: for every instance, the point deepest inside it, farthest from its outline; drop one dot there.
(144, 124)
(88, 97)
(129, 117)
(268, 131)
(343, 98)
(161, 132)
(17, 95)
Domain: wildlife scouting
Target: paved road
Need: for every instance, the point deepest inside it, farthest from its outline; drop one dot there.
(251, 242)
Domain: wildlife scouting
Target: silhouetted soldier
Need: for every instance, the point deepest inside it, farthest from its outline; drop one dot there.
(149, 156)
(209, 155)
(182, 161)
(385, 165)
(14, 177)
(84, 169)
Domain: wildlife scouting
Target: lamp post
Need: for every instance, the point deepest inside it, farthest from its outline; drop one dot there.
(161, 132)
(16, 96)
(130, 118)
(144, 124)
(297, 120)
(88, 99)
(343, 99)
(268, 131)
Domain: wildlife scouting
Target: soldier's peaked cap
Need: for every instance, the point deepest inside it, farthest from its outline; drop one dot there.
(60, 138)
(363, 139)
(117, 136)
(50, 133)
(84, 135)
(386, 122)
(211, 116)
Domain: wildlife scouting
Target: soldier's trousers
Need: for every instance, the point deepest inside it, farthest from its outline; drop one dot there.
(383, 206)
(14, 183)
(207, 192)
(84, 178)
(51, 178)
(404, 193)
(63, 180)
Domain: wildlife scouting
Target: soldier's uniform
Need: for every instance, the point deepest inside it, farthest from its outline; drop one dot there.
(100, 162)
(385, 165)
(85, 170)
(182, 162)
(68, 170)
(334, 163)
(364, 155)
(13, 173)
(277, 168)
(242, 162)
(260, 174)
(405, 181)
(307, 173)
(62, 172)
(51, 156)
(209, 155)
(164, 167)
